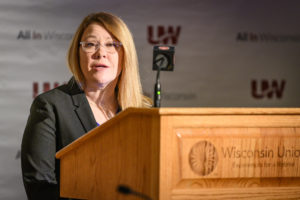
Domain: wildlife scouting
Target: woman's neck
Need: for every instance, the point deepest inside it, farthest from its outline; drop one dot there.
(104, 99)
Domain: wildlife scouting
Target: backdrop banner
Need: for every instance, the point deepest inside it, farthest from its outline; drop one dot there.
(234, 53)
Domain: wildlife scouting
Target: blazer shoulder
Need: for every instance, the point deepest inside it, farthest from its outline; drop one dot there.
(61, 93)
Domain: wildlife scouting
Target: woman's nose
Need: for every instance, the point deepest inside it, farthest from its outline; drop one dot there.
(100, 52)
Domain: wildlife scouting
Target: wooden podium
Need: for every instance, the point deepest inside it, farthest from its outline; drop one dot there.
(187, 153)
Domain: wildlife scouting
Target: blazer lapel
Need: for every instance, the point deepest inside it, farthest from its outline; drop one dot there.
(82, 107)
(85, 114)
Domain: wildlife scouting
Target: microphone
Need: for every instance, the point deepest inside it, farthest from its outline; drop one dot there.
(163, 60)
(128, 191)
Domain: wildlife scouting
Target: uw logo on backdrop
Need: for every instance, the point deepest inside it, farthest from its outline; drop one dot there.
(46, 86)
(267, 89)
(203, 158)
(163, 34)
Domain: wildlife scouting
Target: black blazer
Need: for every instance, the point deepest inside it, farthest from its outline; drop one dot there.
(57, 118)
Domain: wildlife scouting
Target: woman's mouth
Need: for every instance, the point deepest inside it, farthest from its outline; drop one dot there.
(98, 66)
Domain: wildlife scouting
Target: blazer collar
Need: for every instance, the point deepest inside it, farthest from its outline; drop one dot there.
(82, 107)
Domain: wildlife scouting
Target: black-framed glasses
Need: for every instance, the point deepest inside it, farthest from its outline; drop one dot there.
(110, 47)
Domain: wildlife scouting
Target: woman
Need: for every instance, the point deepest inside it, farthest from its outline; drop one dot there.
(103, 61)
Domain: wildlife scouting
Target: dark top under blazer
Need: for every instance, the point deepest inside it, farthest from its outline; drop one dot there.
(57, 118)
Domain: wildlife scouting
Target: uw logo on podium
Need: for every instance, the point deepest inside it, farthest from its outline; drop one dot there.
(203, 158)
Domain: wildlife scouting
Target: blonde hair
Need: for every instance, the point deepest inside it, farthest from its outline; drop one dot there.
(129, 88)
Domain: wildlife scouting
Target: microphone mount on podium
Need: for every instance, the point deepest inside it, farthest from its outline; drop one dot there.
(163, 60)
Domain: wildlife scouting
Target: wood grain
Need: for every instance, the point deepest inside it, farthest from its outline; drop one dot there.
(151, 151)
(125, 153)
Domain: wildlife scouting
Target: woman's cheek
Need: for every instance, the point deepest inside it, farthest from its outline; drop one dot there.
(83, 62)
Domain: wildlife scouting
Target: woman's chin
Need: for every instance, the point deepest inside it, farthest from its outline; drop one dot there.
(99, 84)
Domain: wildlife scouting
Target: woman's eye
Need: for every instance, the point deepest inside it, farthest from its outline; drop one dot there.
(109, 44)
(90, 44)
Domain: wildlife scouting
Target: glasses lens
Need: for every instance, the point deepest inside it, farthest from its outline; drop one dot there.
(88, 46)
(110, 47)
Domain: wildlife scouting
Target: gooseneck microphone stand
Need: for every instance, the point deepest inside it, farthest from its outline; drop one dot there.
(157, 89)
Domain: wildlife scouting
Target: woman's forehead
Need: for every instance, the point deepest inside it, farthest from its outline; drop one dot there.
(96, 31)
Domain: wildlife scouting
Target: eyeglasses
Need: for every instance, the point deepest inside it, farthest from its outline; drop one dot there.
(110, 47)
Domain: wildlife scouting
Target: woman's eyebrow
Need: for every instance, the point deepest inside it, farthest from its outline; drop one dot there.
(90, 36)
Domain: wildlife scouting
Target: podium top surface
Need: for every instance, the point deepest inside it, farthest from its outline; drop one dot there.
(222, 111)
(213, 111)
(179, 112)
